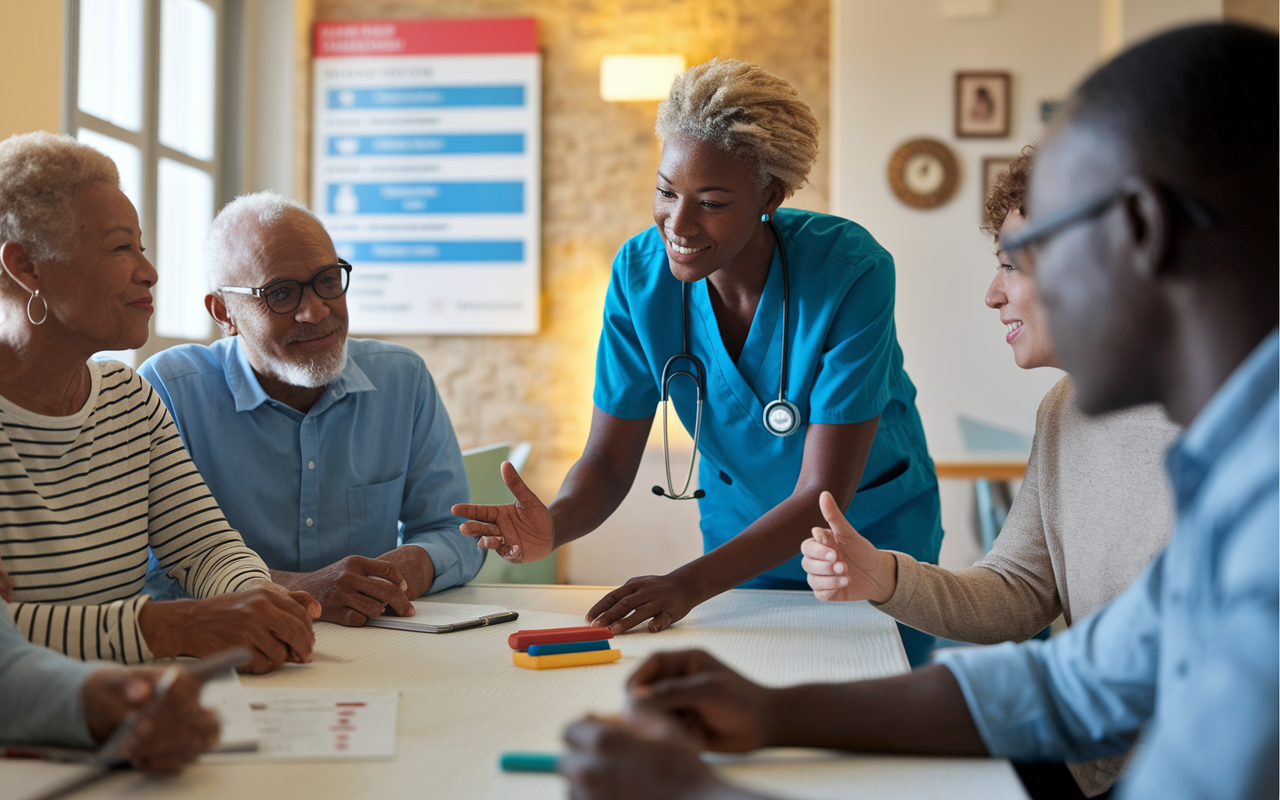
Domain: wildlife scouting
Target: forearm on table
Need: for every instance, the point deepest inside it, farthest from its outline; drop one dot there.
(982, 604)
(918, 712)
(109, 632)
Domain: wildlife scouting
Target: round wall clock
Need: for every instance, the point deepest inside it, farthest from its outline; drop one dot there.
(924, 173)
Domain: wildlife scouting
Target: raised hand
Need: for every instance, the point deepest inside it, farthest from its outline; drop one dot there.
(661, 599)
(842, 565)
(724, 710)
(352, 590)
(274, 624)
(521, 532)
(169, 737)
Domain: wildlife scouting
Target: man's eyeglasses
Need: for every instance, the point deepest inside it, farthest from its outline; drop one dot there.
(284, 297)
(1040, 229)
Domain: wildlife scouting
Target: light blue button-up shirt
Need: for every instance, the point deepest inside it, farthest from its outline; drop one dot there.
(1188, 656)
(373, 464)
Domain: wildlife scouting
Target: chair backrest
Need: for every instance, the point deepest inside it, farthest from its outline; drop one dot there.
(484, 474)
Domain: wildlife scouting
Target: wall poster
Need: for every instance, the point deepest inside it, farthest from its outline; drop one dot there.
(426, 160)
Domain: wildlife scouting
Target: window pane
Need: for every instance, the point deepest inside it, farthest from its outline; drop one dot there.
(188, 33)
(184, 211)
(110, 53)
(128, 161)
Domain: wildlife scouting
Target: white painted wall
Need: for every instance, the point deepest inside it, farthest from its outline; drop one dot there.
(893, 66)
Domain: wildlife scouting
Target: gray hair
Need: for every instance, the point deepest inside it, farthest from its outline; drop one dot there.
(40, 175)
(747, 112)
(226, 242)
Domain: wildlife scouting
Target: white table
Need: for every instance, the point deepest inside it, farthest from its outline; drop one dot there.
(462, 702)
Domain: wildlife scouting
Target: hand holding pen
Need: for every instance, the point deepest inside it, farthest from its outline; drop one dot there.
(152, 718)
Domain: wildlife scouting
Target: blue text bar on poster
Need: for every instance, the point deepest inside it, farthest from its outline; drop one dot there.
(426, 145)
(358, 252)
(426, 198)
(426, 97)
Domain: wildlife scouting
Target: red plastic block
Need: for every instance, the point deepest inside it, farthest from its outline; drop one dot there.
(520, 640)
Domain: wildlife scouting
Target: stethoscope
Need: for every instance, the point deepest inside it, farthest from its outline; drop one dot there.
(781, 417)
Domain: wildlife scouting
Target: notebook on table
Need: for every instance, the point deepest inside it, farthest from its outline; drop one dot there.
(431, 617)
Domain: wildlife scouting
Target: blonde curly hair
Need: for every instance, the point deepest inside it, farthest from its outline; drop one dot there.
(40, 175)
(747, 112)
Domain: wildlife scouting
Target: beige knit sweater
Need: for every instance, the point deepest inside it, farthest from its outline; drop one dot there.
(1093, 511)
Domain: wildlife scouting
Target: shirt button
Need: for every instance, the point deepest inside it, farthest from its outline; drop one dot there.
(334, 392)
(309, 522)
(1182, 668)
(311, 465)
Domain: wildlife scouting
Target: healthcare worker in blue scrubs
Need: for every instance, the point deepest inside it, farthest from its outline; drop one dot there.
(783, 321)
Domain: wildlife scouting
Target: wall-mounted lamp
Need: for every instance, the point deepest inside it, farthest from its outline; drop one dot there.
(646, 77)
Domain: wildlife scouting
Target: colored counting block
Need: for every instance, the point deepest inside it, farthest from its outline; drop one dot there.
(567, 647)
(528, 762)
(520, 640)
(565, 659)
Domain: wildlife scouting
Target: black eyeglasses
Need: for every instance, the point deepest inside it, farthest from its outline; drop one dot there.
(284, 297)
(1038, 230)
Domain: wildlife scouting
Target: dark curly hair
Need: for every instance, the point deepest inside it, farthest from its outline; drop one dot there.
(1008, 192)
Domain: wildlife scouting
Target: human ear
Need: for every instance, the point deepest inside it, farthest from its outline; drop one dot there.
(774, 194)
(218, 310)
(15, 261)
(1148, 228)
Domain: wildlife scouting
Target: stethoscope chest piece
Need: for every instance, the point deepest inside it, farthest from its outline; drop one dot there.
(781, 417)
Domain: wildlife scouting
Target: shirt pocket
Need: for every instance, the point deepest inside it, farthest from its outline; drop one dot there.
(374, 516)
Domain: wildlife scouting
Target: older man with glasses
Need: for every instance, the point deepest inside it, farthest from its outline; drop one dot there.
(334, 458)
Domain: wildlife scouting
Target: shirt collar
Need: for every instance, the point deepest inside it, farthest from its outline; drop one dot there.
(249, 394)
(1231, 409)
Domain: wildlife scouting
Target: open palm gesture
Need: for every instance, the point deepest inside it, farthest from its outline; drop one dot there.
(521, 532)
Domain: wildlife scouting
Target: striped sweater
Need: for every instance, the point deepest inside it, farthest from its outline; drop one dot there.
(81, 500)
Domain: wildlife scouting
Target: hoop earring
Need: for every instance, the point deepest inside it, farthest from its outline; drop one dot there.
(44, 302)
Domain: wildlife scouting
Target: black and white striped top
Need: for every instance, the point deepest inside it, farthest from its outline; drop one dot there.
(82, 498)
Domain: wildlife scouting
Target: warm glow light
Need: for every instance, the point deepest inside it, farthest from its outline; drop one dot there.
(646, 77)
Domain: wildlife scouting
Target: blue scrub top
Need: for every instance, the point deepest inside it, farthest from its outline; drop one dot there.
(845, 367)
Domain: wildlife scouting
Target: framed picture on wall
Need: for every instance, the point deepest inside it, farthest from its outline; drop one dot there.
(992, 166)
(982, 104)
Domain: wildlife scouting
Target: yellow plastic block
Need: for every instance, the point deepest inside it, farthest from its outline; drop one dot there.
(565, 659)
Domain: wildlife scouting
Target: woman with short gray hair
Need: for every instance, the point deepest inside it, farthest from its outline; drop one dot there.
(92, 470)
(771, 332)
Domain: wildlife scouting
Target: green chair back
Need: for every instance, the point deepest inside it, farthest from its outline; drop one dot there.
(484, 474)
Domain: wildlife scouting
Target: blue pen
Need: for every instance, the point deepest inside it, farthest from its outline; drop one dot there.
(567, 647)
(528, 762)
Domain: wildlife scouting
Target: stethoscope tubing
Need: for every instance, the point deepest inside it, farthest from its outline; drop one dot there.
(783, 409)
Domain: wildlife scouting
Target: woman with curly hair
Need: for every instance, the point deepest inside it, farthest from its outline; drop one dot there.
(789, 373)
(1093, 511)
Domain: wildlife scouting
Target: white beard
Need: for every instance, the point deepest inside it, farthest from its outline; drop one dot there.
(316, 372)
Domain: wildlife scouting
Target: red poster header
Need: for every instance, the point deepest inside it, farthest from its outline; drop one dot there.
(425, 37)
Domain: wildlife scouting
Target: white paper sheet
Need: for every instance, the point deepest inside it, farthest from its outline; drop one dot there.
(225, 696)
(316, 724)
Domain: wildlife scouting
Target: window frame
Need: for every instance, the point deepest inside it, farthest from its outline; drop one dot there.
(222, 167)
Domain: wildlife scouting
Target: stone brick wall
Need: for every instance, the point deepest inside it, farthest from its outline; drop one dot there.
(598, 165)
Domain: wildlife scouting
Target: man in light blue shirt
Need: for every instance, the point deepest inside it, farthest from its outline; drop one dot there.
(1153, 212)
(334, 458)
